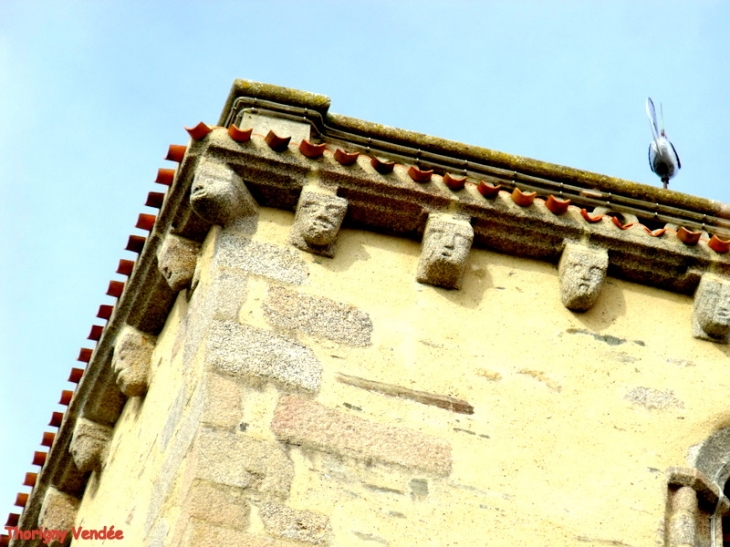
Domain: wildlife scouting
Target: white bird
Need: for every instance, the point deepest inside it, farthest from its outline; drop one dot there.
(663, 157)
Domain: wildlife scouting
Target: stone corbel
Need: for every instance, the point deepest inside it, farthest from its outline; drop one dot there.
(131, 360)
(58, 513)
(445, 248)
(219, 195)
(176, 259)
(90, 444)
(711, 312)
(582, 270)
(317, 222)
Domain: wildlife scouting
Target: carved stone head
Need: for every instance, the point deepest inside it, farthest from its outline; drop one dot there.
(176, 260)
(317, 221)
(446, 244)
(711, 315)
(582, 271)
(89, 444)
(131, 361)
(219, 195)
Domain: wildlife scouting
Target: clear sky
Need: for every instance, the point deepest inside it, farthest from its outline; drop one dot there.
(92, 92)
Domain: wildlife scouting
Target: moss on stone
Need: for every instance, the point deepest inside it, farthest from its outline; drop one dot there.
(269, 92)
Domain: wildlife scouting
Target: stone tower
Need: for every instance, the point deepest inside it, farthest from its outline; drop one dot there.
(343, 334)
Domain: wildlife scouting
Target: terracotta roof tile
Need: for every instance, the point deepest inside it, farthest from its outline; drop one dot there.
(48, 438)
(76, 375)
(30, 479)
(165, 176)
(105, 311)
(66, 396)
(240, 135)
(56, 419)
(125, 266)
(199, 131)
(155, 199)
(176, 152)
(95, 333)
(277, 143)
(116, 288)
(135, 244)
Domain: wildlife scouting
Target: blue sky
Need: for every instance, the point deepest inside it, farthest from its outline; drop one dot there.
(93, 92)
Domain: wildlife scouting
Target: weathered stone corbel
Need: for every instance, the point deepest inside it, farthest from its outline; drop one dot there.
(317, 221)
(90, 444)
(219, 195)
(711, 313)
(131, 360)
(582, 271)
(694, 502)
(176, 259)
(445, 248)
(58, 514)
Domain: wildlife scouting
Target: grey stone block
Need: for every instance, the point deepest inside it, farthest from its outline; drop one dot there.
(582, 272)
(711, 313)
(89, 445)
(317, 221)
(234, 250)
(446, 244)
(219, 195)
(654, 399)
(260, 355)
(318, 316)
(131, 360)
(238, 460)
(288, 523)
(176, 259)
(58, 512)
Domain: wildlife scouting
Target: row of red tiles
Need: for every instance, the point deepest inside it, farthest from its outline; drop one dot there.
(134, 244)
(554, 204)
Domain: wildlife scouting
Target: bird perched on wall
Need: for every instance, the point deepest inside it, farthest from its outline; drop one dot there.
(663, 157)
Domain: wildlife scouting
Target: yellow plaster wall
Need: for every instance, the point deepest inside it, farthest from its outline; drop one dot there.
(560, 449)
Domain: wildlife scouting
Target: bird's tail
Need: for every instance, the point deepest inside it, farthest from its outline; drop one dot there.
(651, 113)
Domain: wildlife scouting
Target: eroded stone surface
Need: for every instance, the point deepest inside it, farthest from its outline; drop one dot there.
(219, 195)
(582, 271)
(235, 459)
(200, 533)
(288, 523)
(711, 313)
(58, 512)
(654, 398)
(447, 240)
(217, 503)
(176, 260)
(317, 221)
(235, 250)
(131, 360)
(318, 316)
(306, 422)
(261, 355)
(712, 457)
(89, 445)
(682, 522)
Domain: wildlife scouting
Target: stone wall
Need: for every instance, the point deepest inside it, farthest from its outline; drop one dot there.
(296, 399)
